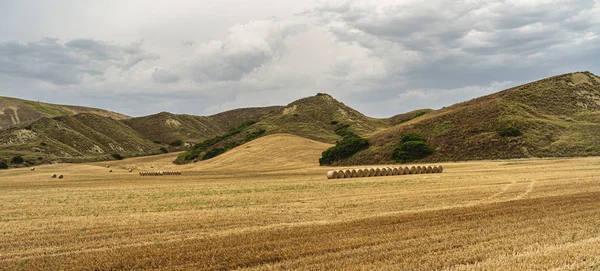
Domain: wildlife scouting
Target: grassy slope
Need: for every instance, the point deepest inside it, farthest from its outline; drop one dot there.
(311, 117)
(18, 112)
(166, 127)
(82, 137)
(559, 116)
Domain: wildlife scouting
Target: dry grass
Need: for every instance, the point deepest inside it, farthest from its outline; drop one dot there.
(505, 215)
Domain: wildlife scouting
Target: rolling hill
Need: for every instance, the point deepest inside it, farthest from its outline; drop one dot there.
(77, 138)
(558, 116)
(166, 127)
(17, 112)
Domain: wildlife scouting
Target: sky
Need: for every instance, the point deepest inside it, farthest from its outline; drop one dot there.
(140, 57)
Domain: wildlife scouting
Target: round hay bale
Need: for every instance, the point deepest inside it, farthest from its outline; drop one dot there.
(347, 173)
(395, 171)
(360, 173)
(413, 170)
(390, 171)
(406, 171)
(419, 170)
(340, 174)
(377, 172)
(440, 169)
(383, 171)
(130, 170)
(107, 166)
(429, 169)
(353, 173)
(54, 175)
(110, 170)
(60, 176)
(371, 172)
(32, 169)
(332, 174)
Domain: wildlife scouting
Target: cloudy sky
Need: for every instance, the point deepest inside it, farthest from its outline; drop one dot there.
(202, 57)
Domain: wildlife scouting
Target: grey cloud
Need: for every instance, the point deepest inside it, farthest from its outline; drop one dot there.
(247, 48)
(446, 44)
(67, 63)
(165, 76)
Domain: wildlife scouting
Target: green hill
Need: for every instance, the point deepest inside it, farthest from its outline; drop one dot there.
(557, 116)
(166, 127)
(77, 138)
(553, 117)
(17, 112)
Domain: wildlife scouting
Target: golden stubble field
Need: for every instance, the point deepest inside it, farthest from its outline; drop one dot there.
(268, 206)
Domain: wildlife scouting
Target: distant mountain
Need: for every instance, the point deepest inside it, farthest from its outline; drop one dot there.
(558, 116)
(16, 112)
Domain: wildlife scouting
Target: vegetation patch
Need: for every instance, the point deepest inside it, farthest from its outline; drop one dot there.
(17, 160)
(509, 131)
(412, 147)
(176, 143)
(208, 148)
(117, 156)
(350, 144)
(3, 165)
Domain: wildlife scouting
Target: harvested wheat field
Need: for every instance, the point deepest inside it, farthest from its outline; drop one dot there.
(267, 205)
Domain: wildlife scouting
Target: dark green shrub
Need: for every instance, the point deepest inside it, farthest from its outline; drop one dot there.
(343, 129)
(212, 153)
(231, 145)
(3, 165)
(348, 146)
(509, 131)
(411, 137)
(176, 143)
(17, 160)
(412, 150)
(334, 122)
(254, 135)
(117, 156)
(40, 158)
(164, 150)
(43, 144)
(157, 142)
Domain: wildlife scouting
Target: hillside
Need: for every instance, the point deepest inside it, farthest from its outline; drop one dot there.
(17, 112)
(166, 127)
(276, 152)
(316, 117)
(77, 138)
(558, 116)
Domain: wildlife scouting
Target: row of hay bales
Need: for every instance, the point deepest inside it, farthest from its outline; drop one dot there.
(159, 173)
(60, 176)
(386, 171)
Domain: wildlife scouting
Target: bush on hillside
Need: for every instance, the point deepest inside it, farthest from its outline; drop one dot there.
(213, 153)
(176, 143)
(411, 137)
(343, 129)
(412, 150)
(509, 131)
(412, 147)
(164, 150)
(348, 146)
(117, 156)
(334, 122)
(17, 160)
(3, 165)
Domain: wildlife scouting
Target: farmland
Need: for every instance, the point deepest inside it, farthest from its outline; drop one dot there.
(267, 205)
